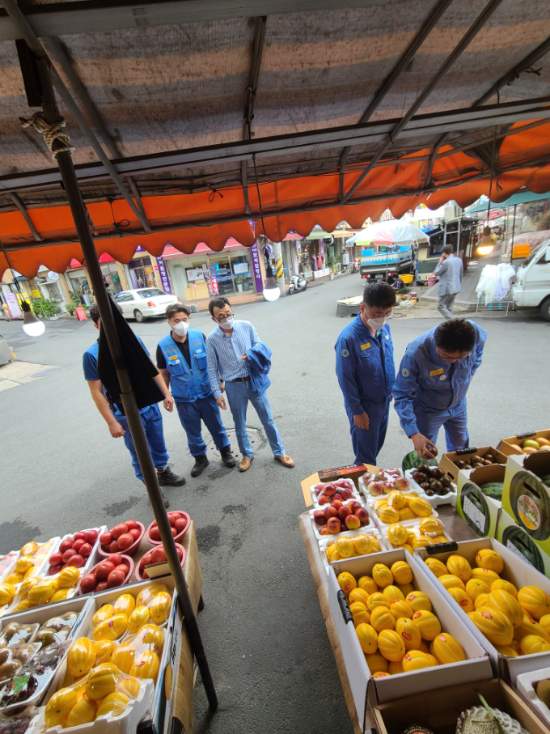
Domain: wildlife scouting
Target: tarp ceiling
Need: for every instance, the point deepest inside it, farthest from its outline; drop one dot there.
(522, 197)
(169, 77)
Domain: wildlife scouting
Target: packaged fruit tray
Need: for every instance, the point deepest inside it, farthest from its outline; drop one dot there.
(352, 544)
(28, 562)
(426, 531)
(501, 598)
(443, 493)
(333, 519)
(131, 631)
(78, 549)
(42, 636)
(396, 628)
(535, 689)
(326, 493)
(180, 523)
(154, 563)
(400, 507)
(111, 572)
(381, 483)
(125, 537)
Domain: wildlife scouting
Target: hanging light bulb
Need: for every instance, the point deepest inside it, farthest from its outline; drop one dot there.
(31, 325)
(271, 292)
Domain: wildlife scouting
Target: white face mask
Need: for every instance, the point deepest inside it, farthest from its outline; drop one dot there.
(181, 328)
(227, 324)
(377, 323)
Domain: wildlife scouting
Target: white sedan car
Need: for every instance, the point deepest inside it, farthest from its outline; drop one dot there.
(144, 303)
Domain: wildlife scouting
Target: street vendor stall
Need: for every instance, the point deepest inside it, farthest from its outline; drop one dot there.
(186, 123)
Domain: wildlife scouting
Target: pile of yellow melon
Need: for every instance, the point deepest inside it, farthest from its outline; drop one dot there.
(395, 623)
(430, 531)
(516, 621)
(347, 546)
(397, 507)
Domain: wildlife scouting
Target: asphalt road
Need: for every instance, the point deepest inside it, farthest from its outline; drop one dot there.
(262, 628)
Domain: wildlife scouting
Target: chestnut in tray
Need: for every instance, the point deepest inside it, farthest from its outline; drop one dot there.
(16, 633)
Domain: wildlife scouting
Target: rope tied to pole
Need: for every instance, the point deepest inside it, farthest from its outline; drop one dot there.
(56, 140)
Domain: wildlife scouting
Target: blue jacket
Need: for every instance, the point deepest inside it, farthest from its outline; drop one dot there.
(187, 383)
(429, 384)
(364, 366)
(259, 364)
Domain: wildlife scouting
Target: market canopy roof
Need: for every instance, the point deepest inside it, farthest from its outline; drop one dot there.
(522, 197)
(263, 116)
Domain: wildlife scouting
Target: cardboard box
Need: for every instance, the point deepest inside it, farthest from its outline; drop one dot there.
(526, 497)
(520, 542)
(367, 690)
(508, 445)
(441, 711)
(477, 509)
(516, 570)
(447, 462)
(526, 688)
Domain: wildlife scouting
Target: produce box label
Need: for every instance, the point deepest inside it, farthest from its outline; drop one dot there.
(474, 514)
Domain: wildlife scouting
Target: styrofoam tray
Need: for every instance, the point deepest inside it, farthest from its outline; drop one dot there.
(126, 723)
(368, 527)
(437, 499)
(365, 492)
(413, 525)
(525, 685)
(39, 615)
(355, 495)
(327, 539)
(92, 558)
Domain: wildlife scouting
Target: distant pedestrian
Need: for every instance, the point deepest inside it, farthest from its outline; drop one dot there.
(449, 271)
(181, 359)
(238, 360)
(365, 371)
(432, 383)
(116, 421)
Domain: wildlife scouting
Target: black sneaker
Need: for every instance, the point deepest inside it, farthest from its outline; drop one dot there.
(167, 478)
(201, 462)
(227, 457)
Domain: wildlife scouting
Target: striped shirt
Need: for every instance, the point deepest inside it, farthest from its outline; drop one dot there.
(225, 353)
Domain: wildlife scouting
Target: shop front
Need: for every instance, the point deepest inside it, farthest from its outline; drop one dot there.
(206, 273)
(141, 270)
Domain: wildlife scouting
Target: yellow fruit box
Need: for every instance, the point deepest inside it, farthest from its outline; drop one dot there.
(448, 462)
(526, 495)
(367, 690)
(516, 570)
(510, 444)
(441, 711)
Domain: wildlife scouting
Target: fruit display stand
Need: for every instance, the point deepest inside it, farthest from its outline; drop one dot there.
(517, 571)
(441, 711)
(523, 443)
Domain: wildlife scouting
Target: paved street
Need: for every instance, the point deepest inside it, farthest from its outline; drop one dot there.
(262, 627)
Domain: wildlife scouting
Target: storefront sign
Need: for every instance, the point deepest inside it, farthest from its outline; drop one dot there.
(258, 282)
(164, 278)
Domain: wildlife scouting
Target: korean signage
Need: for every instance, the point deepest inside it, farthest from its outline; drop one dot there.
(164, 279)
(257, 268)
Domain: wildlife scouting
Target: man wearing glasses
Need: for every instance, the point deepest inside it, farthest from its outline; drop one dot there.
(229, 350)
(432, 382)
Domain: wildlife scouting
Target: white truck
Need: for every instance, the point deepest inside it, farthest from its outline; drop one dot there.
(531, 288)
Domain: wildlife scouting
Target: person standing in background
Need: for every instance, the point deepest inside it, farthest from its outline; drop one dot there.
(365, 371)
(449, 271)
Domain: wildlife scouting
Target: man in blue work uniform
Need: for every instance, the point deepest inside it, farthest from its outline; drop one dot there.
(432, 382)
(115, 419)
(181, 359)
(365, 371)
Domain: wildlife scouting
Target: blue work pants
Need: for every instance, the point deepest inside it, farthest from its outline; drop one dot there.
(454, 421)
(367, 444)
(191, 415)
(239, 395)
(151, 419)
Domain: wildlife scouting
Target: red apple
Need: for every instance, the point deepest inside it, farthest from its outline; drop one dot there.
(101, 586)
(65, 545)
(362, 515)
(56, 559)
(329, 490)
(353, 522)
(135, 533)
(105, 539)
(68, 554)
(344, 512)
(180, 524)
(113, 547)
(76, 560)
(154, 533)
(119, 530)
(90, 536)
(115, 578)
(88, 583)
(79, 536)
(132, 524)
(319, 517)
(85, 550)
(115, 559)
(323, 499)
(77, 545)
(103, 570)
(125, 541)
(337, 504)
(331, 512)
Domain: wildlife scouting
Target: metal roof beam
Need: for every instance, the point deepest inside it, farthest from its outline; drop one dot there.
(16, 200)
(456, 53)
(93, 16)
(429, 126)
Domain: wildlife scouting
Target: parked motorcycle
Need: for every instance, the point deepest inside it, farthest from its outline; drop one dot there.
(297, 283)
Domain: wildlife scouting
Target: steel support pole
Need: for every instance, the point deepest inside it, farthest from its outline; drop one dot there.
(66, 167)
